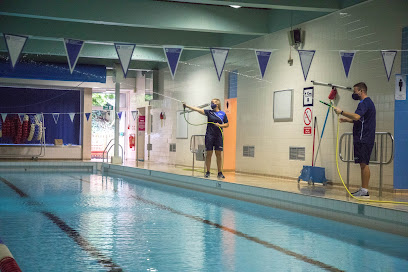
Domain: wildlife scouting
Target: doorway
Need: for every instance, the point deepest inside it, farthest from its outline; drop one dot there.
(103, 123)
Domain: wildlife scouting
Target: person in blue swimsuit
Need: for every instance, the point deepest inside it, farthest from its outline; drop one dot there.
(364, 122)
(213, 135)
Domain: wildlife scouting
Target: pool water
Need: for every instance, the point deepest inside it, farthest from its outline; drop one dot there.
(88, 222)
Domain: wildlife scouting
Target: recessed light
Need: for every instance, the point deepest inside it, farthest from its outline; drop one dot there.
(234, 6)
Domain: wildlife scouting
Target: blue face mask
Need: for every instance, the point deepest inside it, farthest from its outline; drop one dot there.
(355, 96)
(213, 106)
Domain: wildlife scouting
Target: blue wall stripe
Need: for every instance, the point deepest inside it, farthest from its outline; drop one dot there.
(53, 71)
(401, 126)
(233, 84)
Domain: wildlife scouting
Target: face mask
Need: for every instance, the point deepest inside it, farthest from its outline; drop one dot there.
(213, 106)
(355, 96)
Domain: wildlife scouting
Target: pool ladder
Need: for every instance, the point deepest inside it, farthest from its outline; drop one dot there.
(107, 149)
(380, 146)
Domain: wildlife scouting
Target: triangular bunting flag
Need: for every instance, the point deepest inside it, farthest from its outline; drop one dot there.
(15, 45)
(134, 114)
(347, 59)
(87, 114)
(125, 52)
(38, 116)
(173, 56)
(71, 116)
(219, 56)
(4, 116)
(73, 49)
(306, 58)
(56, 117)
(21, 117)
(388, 59)
(263, 58)
(119, 113)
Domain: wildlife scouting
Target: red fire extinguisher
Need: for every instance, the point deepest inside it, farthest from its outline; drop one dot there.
(132, 141)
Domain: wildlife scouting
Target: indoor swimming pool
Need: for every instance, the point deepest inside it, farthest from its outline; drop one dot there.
(91, 222)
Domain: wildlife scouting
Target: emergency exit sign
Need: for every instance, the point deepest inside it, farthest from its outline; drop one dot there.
(108, 107)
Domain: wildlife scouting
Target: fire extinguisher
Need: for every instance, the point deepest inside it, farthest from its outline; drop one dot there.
(132, 141)
(161, 118)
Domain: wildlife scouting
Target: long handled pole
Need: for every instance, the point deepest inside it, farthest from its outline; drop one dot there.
(324, 126)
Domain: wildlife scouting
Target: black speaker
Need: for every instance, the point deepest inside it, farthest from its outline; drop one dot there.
(295, 37)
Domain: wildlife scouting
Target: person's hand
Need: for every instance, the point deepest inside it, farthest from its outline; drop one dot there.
(218, 125)
(184, 104)
(337, 110)
(343, 120)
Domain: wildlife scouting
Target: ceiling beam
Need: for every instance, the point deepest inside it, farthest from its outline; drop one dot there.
(143, 14)
(303, 5)
(55, 47)
(107, 33)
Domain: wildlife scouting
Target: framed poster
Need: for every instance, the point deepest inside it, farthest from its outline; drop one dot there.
(283, 106)
(182, 126)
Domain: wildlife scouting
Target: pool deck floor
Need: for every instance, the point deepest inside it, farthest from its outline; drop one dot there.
(337, 192)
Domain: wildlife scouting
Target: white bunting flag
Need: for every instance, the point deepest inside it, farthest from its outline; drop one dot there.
(73, 49)
(71, 116)
(125, 52)
(134, 114)
(4, 116)
(173, 54)
(56, 117)
(219, 56)
(388, 59)
(21, 115)
(38, 116)
(15, 45)
(306, 58)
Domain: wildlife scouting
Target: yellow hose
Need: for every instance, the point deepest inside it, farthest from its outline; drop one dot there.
(338, 170)
(222, 133)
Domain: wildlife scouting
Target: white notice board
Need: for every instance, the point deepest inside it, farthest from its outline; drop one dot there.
(283, 106)
(181, 126)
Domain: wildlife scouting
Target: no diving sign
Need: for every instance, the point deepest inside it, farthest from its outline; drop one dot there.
(307, 120)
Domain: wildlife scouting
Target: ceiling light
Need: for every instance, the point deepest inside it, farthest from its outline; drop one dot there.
(234, 6)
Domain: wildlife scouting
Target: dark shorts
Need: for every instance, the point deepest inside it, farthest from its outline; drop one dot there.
(362, 152)
(213, 142)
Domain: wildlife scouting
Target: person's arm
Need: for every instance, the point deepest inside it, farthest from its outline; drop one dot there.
(222, 125)
(351, 116)
(194, 108)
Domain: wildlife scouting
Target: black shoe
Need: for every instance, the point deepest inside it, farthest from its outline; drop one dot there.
(207, 175)
(220, 175)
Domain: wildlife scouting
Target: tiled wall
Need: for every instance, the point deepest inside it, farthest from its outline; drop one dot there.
(374, 25)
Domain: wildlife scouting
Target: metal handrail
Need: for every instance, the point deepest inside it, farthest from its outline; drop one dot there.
(372, 162)
(347, 158)
(107, 152)
(193, 151)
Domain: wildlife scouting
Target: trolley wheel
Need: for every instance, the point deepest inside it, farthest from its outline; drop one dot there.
(325, 183)
(298, 180)
(309, 182)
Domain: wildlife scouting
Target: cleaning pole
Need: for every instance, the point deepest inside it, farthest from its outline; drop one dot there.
(324, 126)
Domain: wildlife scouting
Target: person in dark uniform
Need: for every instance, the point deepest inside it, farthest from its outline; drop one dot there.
(213, 136)
(364, 122)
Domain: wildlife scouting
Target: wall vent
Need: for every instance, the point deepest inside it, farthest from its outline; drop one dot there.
(297, 153)
(172, 147)
(249, 151)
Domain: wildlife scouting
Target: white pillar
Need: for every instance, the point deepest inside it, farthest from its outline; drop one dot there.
(117, 159)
